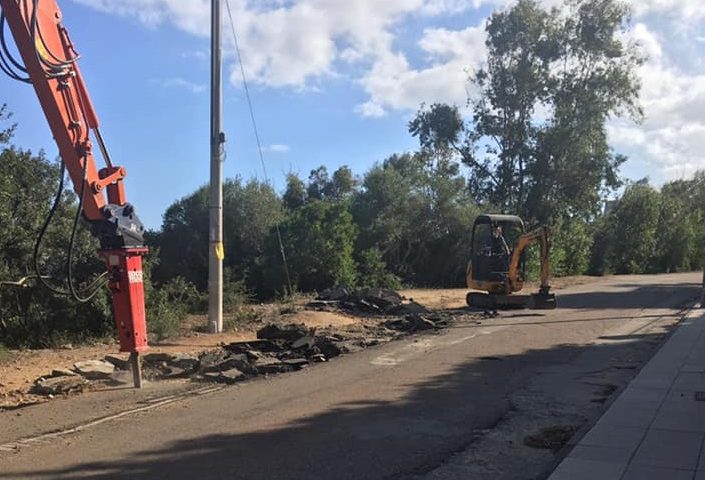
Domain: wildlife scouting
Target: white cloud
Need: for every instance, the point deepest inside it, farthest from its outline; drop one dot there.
(392, 83)
(178, 82)
(296, 43)
(299, 44)
(684, 10)
(276, 148)
(672, 136)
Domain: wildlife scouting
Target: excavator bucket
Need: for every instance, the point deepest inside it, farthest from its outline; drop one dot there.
(497, 301)
(543, 300)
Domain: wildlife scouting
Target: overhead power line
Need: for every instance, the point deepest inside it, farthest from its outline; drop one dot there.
(257, 138)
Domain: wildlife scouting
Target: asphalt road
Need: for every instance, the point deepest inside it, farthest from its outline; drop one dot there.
(407, 409)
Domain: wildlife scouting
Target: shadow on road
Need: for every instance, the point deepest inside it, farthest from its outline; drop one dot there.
(500, 321)
(654, 293)
(377, 439)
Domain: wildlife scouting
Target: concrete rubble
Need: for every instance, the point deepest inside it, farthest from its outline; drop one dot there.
(94, 369)
(380, 301)
(277, 349)
(59, 382)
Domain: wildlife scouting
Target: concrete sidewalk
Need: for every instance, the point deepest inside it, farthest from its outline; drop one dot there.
(656, 428)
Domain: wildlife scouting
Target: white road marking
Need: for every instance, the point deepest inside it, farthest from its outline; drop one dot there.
(414, 349)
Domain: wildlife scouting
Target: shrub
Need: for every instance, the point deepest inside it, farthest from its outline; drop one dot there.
(372, 271)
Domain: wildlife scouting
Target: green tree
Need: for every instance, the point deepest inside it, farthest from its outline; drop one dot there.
(536, 144)
(250, 211)
(419, 215)
(319, 238)
(571, 245)
(634, 225)
(30, 315)
(295, 194)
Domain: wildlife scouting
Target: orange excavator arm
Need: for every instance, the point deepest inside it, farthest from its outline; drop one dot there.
(49, 63)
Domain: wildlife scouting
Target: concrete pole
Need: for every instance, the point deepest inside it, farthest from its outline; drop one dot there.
(215, 249)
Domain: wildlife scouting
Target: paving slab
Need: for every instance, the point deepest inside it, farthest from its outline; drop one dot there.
(670, 449)
(656, 428)
(641, 472)
(580, 469)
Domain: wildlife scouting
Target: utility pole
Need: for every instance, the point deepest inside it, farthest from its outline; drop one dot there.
(215, 234)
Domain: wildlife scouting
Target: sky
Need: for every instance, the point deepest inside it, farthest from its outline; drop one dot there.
(333, 83)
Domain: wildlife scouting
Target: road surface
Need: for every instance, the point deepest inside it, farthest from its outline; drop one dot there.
(456, 404)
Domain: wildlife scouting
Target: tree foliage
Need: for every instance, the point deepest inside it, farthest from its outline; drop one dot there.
(537, 143)
(28, 316)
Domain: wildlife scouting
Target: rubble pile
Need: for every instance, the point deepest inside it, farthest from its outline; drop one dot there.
(277, 349)
(379, 301)
(386, 315)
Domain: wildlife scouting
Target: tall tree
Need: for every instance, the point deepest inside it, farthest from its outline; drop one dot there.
(419, 215)
(250, 211)
(31, 316)
(537, 144)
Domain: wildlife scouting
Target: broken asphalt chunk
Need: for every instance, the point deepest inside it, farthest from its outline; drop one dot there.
(289, 333)
(94, 369)
(334, 294)
(156, 357)
(58, 385)
(184, 361)
(307, 341)
(297, 363)
(271, 365)
(120, 363)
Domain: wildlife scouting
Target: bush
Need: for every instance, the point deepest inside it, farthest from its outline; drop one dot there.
(168, 305)
(372, 271)
(570, 248)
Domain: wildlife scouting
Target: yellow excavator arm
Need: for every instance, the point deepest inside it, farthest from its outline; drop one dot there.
(540, 235)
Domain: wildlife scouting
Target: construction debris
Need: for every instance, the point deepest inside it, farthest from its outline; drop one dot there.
(120, 363)
(380, 301)
(94, 369)
(278, 348)
(288, 333)
(58, 384)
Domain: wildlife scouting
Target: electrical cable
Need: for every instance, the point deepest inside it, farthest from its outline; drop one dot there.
(5, 48)
(42, 232)
(257, 138)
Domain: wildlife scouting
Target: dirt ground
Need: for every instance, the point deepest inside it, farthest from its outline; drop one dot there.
(19, 369)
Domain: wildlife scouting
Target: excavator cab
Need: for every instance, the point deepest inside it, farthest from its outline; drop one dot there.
(497, 267)
(492, 239)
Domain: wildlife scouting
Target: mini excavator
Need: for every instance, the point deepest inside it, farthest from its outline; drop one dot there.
(48, 61)
(497, 271)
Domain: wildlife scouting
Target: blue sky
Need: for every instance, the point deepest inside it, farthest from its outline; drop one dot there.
(333, 83)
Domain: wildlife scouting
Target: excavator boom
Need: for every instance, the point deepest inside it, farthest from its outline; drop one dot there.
(49, 64)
